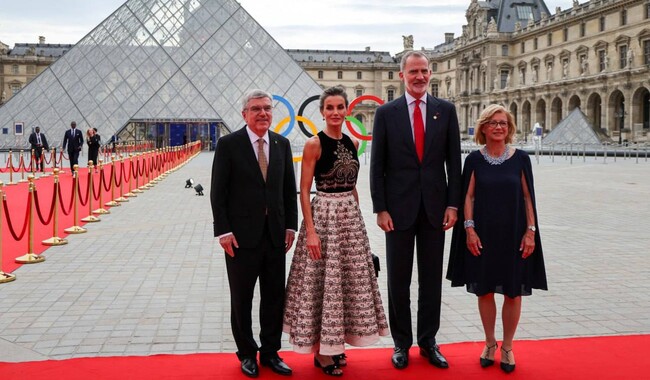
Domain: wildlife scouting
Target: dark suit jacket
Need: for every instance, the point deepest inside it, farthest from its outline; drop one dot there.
(75, 142)
(240, 197)
(399, 183)
(34, 141)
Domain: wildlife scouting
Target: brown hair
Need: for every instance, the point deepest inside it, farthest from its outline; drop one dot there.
(486, 116)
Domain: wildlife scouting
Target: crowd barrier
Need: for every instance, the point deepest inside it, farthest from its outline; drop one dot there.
(129, 169)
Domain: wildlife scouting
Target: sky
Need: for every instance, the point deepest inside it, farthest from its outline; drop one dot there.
(295, 24)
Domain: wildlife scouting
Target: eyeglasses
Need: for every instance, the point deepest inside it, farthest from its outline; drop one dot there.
(493, 124)
(256, 109)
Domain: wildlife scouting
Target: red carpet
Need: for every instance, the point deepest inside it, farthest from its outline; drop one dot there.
(615, 357)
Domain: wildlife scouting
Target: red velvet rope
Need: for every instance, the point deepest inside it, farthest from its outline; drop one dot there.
(140, 166)
(99, 189)
(61, 202)
(105, 186)
(8, 217)
(118, 184)
(38, 209)
(81, 197)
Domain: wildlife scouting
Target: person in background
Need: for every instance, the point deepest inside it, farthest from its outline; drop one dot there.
(38, 142)
(93, 141)
(415, 186)
(332, 292)
(253, 197)
(73, 139)
(496, 247)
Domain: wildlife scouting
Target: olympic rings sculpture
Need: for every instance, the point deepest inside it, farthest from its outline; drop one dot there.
(361, 134)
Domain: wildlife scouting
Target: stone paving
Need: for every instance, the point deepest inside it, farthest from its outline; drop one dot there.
(150, 277)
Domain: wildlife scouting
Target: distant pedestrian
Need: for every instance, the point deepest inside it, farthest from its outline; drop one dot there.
(93, 141)
(74, 141)
(38, 142)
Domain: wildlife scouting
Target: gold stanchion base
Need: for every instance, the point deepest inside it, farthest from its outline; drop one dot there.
(91, 219)
(11, 183)
(137, 191)
(101, 211)
(121, 199)
(144, 187)
(6, 277)
(29, 258)
(75, 230)
(112, 204)
(130, 195)
(22, 181)
(55, 241)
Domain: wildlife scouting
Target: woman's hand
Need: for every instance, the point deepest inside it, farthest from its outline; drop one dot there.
(313, 245)
(527, 245)
(473, 242)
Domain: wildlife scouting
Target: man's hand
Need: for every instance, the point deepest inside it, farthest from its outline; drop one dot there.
(384, 221)
(289, 237)
(227, 243)
(451, 216)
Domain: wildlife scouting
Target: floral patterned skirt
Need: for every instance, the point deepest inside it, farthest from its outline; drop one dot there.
(334, 300)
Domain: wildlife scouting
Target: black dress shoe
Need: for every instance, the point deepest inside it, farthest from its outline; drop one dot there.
(277, 365)
(249, 367)
(435, 356)
(400, 357)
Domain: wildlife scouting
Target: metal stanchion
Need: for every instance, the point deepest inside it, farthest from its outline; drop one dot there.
(30, 257)
(112, 202)
(55, 240)
(131, 193)
(21, 166)
(4, 277)
(76, 229)
(101, 210)
(11, 168)
(145, 184)
(137, 190)
(121, 197)
(91, 193)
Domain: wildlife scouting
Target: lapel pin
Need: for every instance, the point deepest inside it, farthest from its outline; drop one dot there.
(435, 117)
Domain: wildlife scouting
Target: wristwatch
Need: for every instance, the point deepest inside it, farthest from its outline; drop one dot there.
(532, 228)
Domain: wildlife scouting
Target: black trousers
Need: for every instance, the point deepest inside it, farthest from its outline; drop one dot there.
(399, 266)
(74, 158)
(38, 158)
(268, 264)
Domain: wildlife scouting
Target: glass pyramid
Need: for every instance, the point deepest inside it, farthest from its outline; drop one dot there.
(575, 129)
(161, 60)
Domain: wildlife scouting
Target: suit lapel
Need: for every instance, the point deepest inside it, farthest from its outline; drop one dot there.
(406, 132)
(275, 156)
(432, 122)
(249, 154)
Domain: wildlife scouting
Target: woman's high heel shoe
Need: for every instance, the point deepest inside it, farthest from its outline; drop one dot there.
(331, 370)
(340, 360)
(485, 360)
(506, 366)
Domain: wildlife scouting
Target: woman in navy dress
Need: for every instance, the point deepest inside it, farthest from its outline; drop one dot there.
(332, 296)
(496, 246)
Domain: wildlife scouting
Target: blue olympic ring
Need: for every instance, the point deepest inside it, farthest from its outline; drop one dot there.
(292, 114)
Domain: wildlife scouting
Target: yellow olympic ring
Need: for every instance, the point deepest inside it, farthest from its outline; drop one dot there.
(287, 119)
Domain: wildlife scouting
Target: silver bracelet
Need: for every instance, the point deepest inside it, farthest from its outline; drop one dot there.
(468, 223)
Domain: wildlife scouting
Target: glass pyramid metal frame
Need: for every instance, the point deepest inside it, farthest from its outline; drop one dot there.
(160, 60)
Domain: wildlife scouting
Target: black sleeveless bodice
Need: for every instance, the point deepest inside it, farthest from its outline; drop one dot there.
(338, 166)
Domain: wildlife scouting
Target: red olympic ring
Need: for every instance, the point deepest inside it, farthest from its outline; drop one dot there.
(351, 107)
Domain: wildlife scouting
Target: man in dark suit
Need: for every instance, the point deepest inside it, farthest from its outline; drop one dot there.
(74, 140)
(253, 197)
(415, 139)
(38, 143)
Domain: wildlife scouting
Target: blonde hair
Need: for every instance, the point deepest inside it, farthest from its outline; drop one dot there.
(486, 116)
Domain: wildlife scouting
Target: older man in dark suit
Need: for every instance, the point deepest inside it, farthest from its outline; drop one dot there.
(38, 142)
(253, 197)
(74, 140)
(415, 186)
